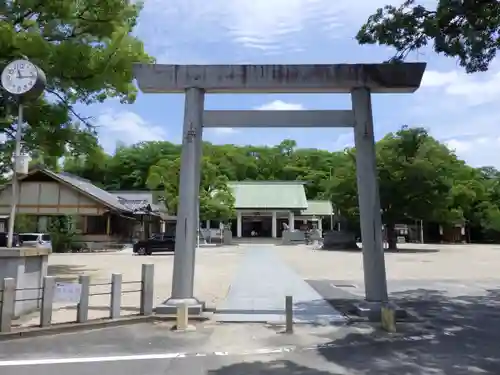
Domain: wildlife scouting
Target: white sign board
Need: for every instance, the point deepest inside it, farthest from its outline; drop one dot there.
(67, 292)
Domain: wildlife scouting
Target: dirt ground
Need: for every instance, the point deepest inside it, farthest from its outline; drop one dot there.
(216, 267)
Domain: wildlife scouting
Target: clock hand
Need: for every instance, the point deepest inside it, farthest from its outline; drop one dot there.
(30, 76)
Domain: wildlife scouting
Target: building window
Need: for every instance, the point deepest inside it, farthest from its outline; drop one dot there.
(96, 224)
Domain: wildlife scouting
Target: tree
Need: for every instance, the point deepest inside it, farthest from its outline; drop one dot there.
(216, 199)
(420, 178)
(86, 49)
(466, 30)
(487, 212)
(93, 166)
(62, 233)
(415, 180)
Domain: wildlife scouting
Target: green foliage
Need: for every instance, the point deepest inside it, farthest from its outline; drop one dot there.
(466, 30)
(419, 177)
(25, 223)
(414, 178)
(62, 233)
(216, 199)
(86, 49)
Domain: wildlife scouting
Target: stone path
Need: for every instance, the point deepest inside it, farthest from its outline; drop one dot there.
(258, 290)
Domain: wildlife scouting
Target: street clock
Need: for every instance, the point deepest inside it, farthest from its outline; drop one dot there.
(22, 78)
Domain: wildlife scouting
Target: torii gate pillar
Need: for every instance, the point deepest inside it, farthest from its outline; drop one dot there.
(359, 80)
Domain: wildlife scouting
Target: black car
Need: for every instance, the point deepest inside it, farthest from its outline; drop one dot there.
(157, 243)
(16, 241)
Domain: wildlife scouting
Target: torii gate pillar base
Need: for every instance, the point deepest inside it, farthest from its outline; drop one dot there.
(372, 310)
(170, 306)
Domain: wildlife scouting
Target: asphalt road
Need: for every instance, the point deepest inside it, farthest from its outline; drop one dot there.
(439, 355)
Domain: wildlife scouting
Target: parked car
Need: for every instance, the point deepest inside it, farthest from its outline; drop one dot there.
(15, 239)
(157, 243)
(35, 239)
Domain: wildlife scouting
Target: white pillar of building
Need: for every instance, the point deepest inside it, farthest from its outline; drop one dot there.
(162, 226)
(238, 224)
(274, 225)
(291, 221)
(320, 224)
(207, 224)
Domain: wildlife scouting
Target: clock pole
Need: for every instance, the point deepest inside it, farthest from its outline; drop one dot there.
(15, 182)
(24, 81)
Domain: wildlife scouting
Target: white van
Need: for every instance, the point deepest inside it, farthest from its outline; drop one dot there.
(35, 240)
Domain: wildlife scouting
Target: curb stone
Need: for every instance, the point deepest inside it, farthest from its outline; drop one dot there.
(91, 325)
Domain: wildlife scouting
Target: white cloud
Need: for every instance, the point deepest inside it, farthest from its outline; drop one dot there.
(434, 78)
(461, 110)
(265, 26)
(127, 128)
(471, 89)
(279, 105)
(478, 151)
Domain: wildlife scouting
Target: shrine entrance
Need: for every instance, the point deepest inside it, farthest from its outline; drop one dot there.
(358, 80)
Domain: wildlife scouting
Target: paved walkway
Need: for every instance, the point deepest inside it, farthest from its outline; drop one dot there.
(257, 293)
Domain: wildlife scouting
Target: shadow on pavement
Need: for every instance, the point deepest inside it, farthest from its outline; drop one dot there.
(409, 250)
(281, 367)
(397, 251)
(464, 333)
(466, 329)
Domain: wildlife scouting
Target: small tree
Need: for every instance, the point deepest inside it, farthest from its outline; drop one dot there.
(216, 198)
(62, 233)
(25, 223)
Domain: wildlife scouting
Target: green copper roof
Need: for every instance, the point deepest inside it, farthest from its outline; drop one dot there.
(318, 208)
(288, 195)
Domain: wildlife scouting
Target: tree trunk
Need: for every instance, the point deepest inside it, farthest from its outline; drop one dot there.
(391, 237)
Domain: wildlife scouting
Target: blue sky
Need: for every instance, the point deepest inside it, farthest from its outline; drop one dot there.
(457, 108)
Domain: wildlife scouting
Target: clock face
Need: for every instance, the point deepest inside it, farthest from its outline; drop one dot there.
(19, 77)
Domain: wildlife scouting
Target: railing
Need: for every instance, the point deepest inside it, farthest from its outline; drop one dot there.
(47, 294)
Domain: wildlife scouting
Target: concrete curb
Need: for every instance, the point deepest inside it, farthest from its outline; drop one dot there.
(55, 329)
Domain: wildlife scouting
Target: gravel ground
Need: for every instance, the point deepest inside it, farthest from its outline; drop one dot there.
(414, 261)
(215, 268)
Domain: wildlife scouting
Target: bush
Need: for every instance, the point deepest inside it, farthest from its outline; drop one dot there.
(62, 233)
(25, 223)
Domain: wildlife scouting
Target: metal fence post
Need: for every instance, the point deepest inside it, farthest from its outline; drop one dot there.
(288, 314)
(147, 287)
(48, 290)
(82, 312)
(8, 303)
(116, 296)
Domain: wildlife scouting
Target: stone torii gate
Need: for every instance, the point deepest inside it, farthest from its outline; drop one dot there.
(358, 80)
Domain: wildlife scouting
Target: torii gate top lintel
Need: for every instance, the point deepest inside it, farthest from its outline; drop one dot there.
(326, 78)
